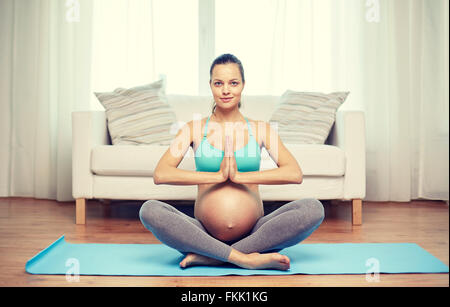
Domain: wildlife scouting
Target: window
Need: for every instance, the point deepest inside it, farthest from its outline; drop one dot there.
(245, 29)
(136, 42)
(176, 38)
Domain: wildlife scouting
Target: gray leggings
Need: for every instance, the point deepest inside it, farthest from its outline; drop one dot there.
(286, 226)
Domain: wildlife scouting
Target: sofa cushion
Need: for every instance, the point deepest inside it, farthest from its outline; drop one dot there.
(129, 160)
(139, 115)
(306, 117)
(126, 160)
(314, 159)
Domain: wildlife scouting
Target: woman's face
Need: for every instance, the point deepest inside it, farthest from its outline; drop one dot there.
(226, 85)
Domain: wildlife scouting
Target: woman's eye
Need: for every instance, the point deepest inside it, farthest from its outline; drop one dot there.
(217, 83)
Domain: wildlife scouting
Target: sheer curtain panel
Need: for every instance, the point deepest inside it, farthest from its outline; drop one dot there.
(45, 75)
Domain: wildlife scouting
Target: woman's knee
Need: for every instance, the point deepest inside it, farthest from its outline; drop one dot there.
(315, 209)
(150, 211)
(311, 209)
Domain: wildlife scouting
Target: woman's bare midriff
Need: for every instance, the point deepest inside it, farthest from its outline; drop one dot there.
(228, 210)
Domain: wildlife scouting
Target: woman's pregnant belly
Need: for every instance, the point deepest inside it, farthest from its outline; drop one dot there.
(228, 211)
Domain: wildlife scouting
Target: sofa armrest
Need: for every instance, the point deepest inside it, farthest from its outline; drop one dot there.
(89, 128)
(349, 134)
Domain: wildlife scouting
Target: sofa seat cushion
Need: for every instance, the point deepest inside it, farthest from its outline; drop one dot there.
(131, 160)
(126, 160)
(314, 159)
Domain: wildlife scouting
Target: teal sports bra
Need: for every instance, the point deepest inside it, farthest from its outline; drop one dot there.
(208, 158)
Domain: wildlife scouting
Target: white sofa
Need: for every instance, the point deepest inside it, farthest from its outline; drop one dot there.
(100, 170)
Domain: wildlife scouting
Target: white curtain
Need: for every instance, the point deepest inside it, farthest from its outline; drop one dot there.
(122, 53)
(136, 42)
(55, 53)
(45, 75)
(391, 55)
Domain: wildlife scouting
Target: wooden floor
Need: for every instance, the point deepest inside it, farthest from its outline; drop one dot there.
(27, 226)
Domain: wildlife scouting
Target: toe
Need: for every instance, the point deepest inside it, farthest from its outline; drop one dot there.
(184, 262)
(286, 262)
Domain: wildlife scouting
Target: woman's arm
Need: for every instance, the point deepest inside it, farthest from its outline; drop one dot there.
(176, 176)
(288, 171)
(166, 171)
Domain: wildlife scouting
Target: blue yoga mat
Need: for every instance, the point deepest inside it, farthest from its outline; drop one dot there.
(62, 257)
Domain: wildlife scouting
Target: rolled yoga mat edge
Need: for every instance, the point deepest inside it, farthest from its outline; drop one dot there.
(30, 263)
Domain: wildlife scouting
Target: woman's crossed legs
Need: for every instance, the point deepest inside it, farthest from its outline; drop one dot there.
(288, 225)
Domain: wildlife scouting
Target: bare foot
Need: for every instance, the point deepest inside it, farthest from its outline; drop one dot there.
(268, 261)
(195, 259)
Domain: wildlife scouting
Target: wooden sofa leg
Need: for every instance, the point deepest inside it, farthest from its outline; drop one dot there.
(80, 211)
(356, 212)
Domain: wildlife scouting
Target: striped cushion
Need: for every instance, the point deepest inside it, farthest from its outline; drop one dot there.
(306, 117)
(139, 115)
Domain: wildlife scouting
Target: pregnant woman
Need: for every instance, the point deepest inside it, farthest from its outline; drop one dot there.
(229, 224)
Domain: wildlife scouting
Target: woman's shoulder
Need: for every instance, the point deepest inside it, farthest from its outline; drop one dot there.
(195, 126)
(197, 121)
(258, 123)
(259, 129)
